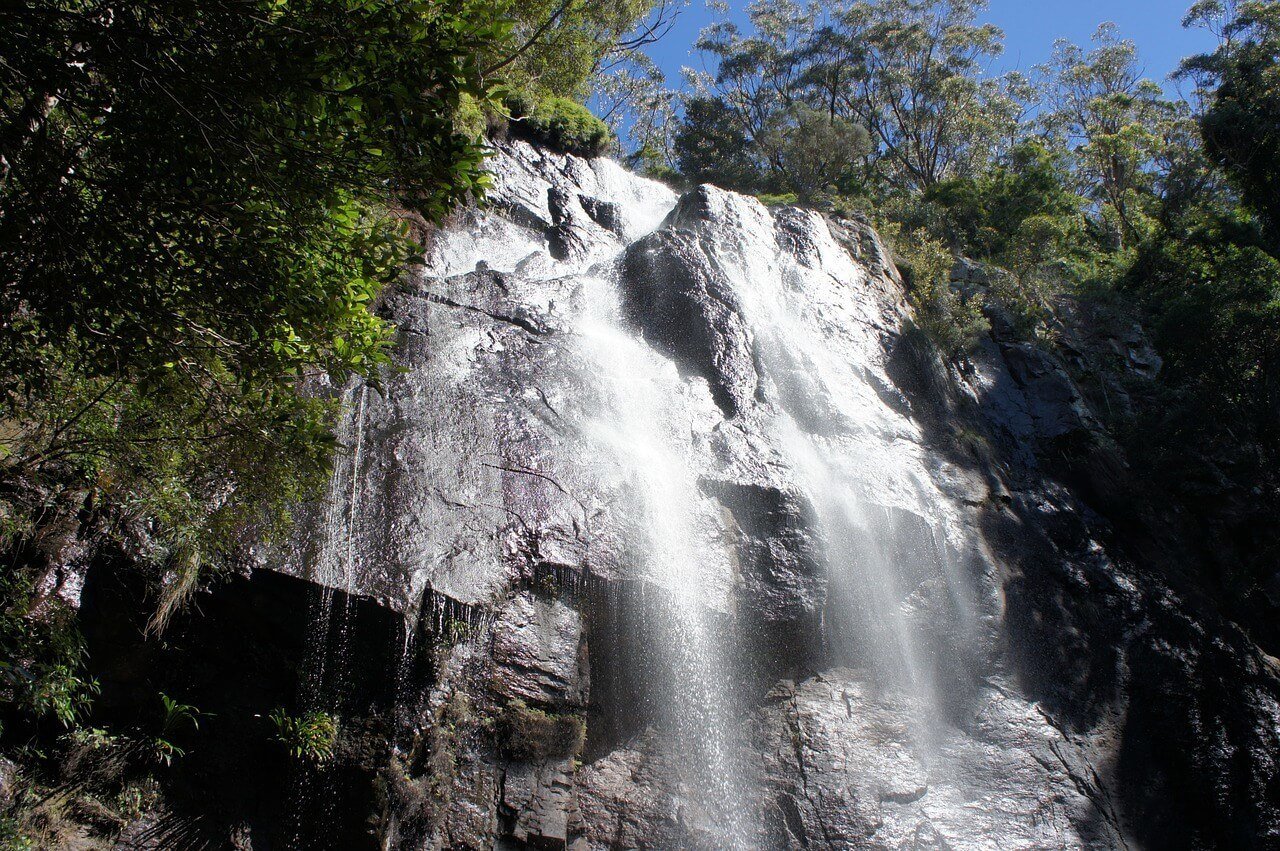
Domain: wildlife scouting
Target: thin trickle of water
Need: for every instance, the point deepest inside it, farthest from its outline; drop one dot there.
(334, 565)
(328, 642)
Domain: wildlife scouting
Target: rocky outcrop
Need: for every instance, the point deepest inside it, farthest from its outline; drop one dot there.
(668, 531)
(692, 484)
(688, 309)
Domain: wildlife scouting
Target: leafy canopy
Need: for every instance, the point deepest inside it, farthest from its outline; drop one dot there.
(193, 216)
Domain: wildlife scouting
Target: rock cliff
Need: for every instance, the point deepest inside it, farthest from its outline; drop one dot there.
(670, 531)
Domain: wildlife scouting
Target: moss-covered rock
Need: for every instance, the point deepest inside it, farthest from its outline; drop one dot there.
(561, 124)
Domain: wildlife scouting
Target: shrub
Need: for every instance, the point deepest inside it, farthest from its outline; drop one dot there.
(42, 666)
(311, 736)
(952, 320)
(561, 124)
(534, 735)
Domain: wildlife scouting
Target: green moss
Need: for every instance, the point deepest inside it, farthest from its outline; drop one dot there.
(561, 124)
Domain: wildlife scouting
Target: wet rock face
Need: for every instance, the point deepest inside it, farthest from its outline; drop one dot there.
(686, 306)
(843, 770)
(663, 486)
(242, 652)
(783, 578)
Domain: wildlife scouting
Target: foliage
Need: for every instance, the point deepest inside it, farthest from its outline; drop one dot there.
(177, 716)
(1017, 200)
(787, 199)
(193, 218)
(952, 320)
(710, 146)
(1241, 128)
(1214, 297)
(563, 125)
(13, 837)
(561, 51)
(897, 82)
(632, 97)
(816, 153)
(557, 45)
(311, 736)
(531, 734)
(654, 164)
(917, 64)
(1113, 121)
(138, 797)
(41, 654)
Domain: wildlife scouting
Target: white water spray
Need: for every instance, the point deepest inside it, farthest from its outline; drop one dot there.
(645, 429)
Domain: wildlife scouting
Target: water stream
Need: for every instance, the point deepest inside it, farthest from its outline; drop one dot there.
(645, 428)
(883, 524)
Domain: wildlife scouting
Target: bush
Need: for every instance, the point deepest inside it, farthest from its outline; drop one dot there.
(533, 735)
(13, 837)
(952, 320)
(176, 717)
(42, 667)
(311, 736)
(561, 124)
(1213, 295)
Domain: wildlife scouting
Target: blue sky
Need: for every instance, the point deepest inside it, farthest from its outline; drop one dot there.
(1030, 26)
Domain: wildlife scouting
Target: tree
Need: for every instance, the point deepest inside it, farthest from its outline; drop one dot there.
(194, 214)
(815, 153)
(987, 214)
(1114, 122)
(917, 87)
(710, 146)
(558, 45)
(1241, 125)
(632, 98)
(742, 112)
(907, 72)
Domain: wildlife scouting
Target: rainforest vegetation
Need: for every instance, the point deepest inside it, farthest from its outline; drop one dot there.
(199, 205)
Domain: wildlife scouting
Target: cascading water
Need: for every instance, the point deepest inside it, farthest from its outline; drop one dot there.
(645, 428)
(766, 606)
(883, 525)
(642, 431)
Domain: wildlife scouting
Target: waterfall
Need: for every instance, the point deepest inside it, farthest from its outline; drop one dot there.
(648, 449)
(645, 428)
(640, 427)
(884, 525)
